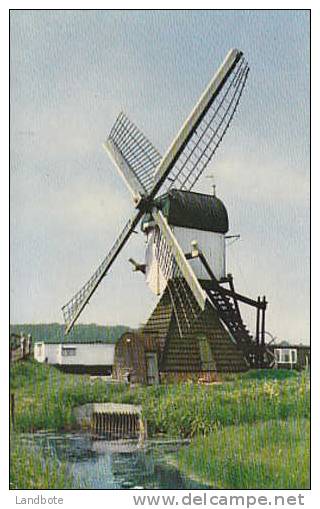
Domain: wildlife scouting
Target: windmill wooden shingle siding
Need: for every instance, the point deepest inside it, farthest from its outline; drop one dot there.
(189, 353)
(203, 351)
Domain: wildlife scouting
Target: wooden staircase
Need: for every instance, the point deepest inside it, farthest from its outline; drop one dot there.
(257, 354)
(231, 317)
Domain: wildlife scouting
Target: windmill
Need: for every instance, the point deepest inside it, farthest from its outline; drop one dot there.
(185, 261)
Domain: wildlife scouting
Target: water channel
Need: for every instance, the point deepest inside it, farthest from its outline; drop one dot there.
(122, 464)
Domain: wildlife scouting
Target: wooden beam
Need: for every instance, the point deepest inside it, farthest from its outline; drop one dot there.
(258, 323)
(232, 290)
(263, 321)
(129, 177)
(242, 298)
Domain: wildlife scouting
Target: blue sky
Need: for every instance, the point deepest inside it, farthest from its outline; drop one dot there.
(71, 74)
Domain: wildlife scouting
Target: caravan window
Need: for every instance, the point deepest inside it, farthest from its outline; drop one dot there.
(286, 355)
(294, 356)
(68, 351)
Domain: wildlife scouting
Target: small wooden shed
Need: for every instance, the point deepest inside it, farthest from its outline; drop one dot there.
(136, 358)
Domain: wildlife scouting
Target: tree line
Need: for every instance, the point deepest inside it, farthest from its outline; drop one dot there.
(82, 332)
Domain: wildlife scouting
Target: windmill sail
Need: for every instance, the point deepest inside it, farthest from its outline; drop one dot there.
(74, 307)
(206, 139)
(133, 183)
(134, 151)
(202, 132)
(146, 173)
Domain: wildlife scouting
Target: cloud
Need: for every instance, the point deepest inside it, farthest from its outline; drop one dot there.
(267, 179)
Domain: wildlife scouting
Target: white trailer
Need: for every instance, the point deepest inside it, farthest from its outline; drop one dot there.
(91, 357)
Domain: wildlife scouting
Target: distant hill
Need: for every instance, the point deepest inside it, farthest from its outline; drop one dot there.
(55, 332)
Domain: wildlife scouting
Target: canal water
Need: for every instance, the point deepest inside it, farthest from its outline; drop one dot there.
(121, 464)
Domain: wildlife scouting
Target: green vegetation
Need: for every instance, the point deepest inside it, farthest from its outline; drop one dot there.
(45, 397)
(30, 469)
(186, 410)
(55, 332)
(269, 454)
(249, 414)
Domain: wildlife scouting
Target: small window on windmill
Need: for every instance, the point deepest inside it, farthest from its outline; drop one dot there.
(207, 362)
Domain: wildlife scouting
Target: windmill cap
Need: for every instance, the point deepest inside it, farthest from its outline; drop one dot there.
(193, 210)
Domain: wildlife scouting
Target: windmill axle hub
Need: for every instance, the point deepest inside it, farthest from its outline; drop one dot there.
(145, 204)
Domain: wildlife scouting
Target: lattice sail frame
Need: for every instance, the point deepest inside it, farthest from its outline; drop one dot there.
(208, 135)
(74, 307)
(146, 173)
(136, 150)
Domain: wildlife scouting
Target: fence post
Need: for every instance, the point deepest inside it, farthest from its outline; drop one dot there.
(12, 408)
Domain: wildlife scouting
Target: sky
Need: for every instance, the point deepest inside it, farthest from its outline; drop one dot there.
(72, 72)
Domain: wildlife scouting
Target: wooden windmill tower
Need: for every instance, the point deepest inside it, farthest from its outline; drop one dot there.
(197, 321)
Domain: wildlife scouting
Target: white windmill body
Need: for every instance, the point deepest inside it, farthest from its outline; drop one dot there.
(194, 218)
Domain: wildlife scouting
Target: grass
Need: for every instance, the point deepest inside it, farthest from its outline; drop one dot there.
(45, 397)
(253, 406)
(189, 409)
(271, 454)
(30, 469)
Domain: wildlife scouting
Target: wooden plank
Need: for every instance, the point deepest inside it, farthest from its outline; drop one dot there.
(129, 177)
(243, 298)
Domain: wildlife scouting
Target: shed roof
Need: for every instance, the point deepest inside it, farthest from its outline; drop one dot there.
(71, 341)
(193, 210)
(151, 342)
(288, 346)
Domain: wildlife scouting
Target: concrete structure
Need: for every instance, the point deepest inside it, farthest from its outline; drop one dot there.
(95, 358)
(112, 420)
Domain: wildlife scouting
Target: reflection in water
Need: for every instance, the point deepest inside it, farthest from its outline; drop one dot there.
(122, 464)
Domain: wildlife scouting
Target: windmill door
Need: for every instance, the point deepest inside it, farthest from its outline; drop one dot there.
(152, 368)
